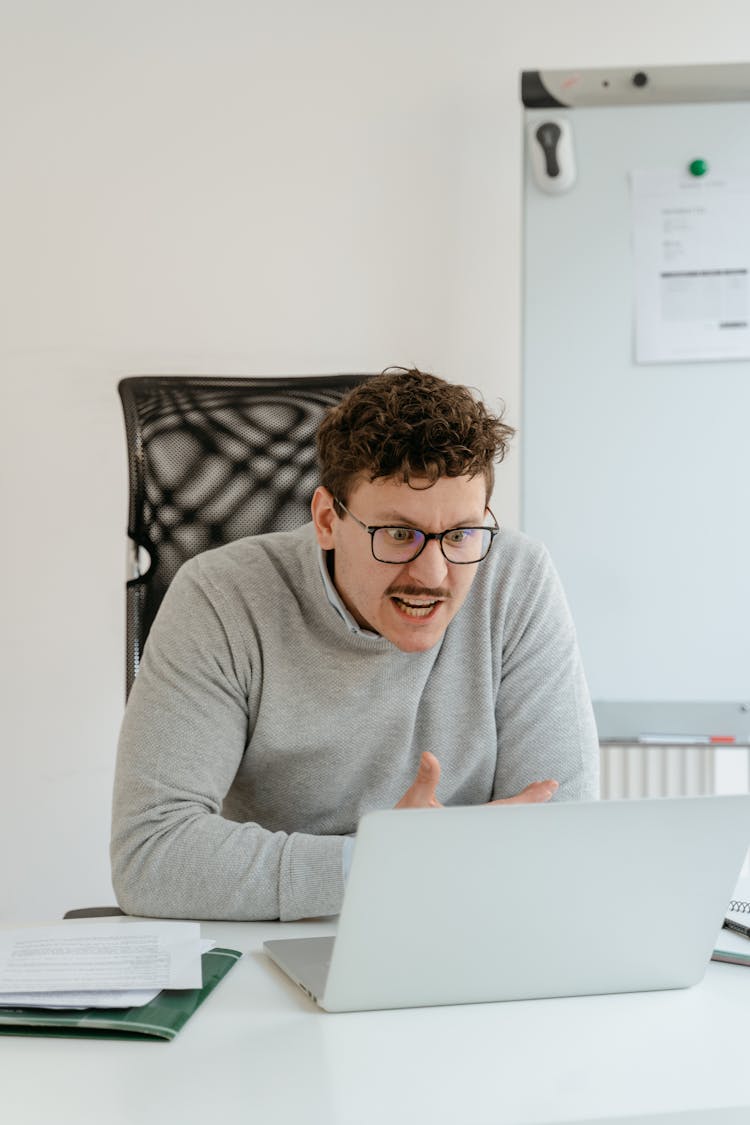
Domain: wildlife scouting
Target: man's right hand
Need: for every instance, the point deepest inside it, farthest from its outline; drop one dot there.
(421, 794)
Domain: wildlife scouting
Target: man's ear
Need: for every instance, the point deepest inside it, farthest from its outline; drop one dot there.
(324, 517)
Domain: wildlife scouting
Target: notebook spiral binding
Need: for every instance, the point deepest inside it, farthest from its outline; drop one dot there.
(739, 906)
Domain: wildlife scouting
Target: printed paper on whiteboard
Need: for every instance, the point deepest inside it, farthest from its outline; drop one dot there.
(691, 241)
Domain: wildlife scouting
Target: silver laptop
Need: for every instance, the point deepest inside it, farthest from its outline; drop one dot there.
(462, 905)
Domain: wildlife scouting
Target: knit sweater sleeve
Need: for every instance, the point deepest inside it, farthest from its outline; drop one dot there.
(545, 721)
(185, 731)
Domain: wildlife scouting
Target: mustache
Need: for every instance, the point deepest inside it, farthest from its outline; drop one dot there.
(398, 590)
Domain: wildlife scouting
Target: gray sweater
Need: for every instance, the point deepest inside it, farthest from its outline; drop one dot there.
(260, 728)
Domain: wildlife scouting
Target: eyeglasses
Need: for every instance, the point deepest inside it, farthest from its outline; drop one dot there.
(398, 545)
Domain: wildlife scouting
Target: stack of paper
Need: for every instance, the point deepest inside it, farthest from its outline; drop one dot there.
(98, 964)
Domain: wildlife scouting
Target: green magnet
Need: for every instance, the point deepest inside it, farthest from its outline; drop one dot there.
(698, 167)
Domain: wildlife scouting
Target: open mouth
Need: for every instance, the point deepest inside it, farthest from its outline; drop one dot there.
(416, 607)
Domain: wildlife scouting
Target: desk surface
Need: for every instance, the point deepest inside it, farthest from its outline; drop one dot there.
(259, 1050)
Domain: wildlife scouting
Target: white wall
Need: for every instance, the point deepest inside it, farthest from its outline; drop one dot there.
(248, 187)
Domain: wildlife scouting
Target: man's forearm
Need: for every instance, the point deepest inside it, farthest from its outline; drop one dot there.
(200, 865)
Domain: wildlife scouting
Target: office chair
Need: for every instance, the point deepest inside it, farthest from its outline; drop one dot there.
(211, 459)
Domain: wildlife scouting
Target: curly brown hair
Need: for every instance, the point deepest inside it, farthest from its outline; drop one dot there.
(404, 424)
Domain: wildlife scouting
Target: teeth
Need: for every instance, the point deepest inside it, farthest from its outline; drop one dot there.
(416, 609)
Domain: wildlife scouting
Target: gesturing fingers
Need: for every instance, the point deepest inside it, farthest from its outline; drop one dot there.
(421, 794)
(535, 794)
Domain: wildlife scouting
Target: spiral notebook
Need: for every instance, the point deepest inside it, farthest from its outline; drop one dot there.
(734, 948)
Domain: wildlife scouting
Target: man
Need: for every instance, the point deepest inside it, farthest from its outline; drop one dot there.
(400, 650)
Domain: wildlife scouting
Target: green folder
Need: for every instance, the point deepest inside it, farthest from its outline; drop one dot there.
(161, 1018)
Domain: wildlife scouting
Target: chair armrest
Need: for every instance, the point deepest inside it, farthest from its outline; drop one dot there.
(94, 912)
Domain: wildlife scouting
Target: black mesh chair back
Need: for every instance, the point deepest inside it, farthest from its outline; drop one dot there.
(212, 460)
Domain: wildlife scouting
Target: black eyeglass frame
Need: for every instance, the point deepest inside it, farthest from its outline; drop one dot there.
(428, 535)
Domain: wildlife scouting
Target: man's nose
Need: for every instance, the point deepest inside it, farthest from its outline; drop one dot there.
(430, 567)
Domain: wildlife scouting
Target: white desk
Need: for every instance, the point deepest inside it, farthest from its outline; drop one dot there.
(260, 1051)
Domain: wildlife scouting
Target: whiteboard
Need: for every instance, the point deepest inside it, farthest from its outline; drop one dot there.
(637, 477)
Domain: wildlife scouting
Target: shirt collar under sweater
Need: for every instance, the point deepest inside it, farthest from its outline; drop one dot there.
(335, 598)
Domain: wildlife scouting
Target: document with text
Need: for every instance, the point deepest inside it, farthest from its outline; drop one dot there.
(691, 245)
(100, 957)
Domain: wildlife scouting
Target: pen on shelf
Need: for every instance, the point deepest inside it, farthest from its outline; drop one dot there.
(686, 739)
(736, 927)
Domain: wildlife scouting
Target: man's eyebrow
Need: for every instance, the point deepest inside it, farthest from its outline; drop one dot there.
(396, 519)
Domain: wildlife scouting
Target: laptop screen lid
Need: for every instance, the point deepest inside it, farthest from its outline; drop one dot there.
(464, 905)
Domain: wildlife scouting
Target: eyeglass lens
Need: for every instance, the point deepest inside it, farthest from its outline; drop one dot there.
(401, 544)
